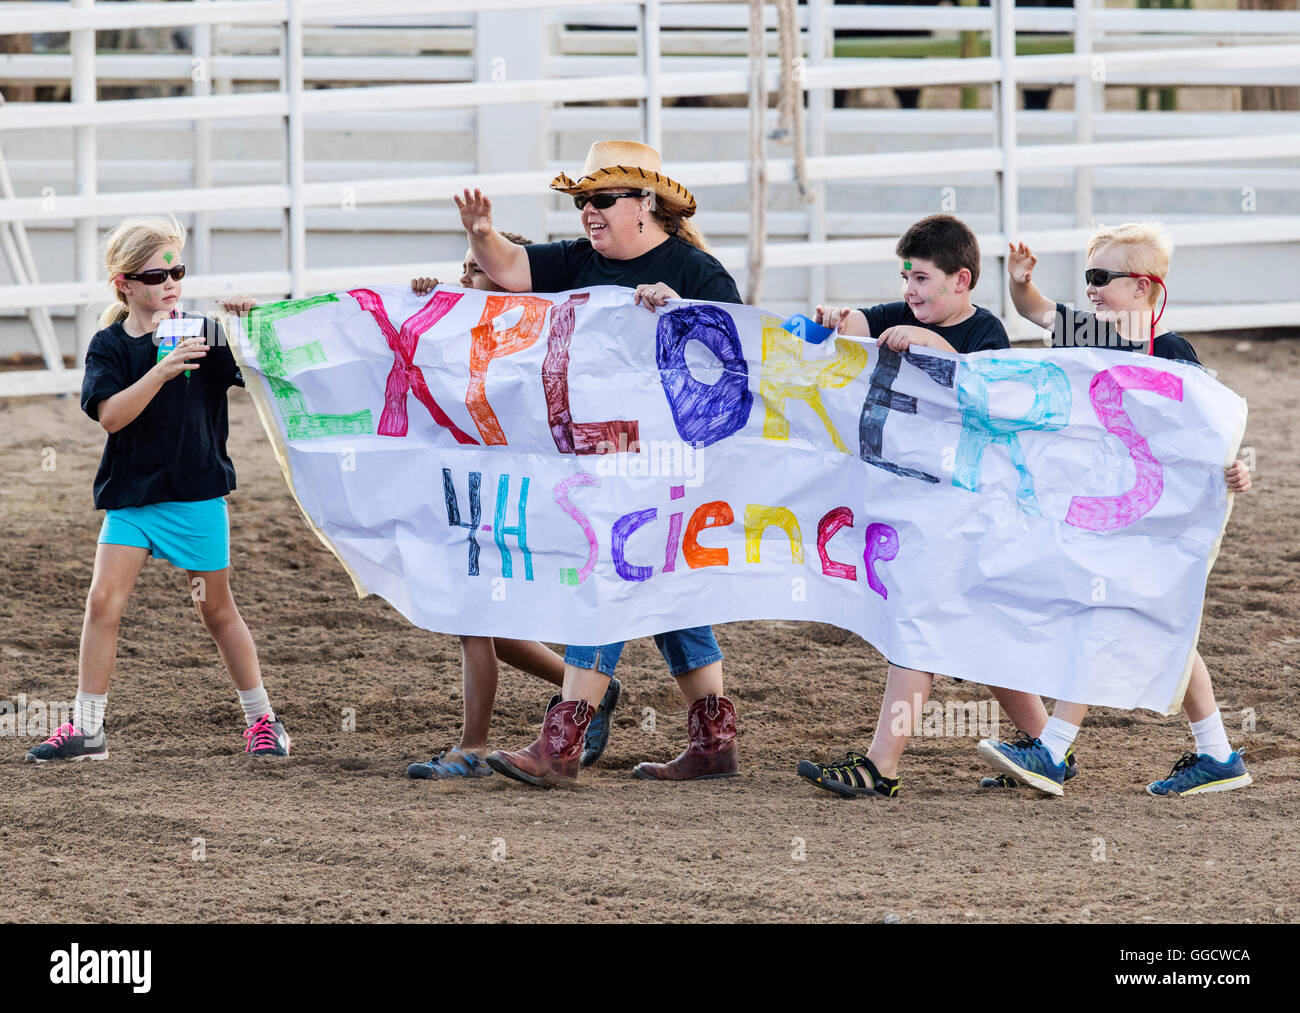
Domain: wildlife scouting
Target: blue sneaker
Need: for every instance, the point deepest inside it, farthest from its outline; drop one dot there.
(1007, 781)
(597, 737)
(1195, 773)
(449, 765)
(1028, 761)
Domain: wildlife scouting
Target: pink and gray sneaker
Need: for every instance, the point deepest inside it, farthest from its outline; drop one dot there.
(67, 743)
(267, 737)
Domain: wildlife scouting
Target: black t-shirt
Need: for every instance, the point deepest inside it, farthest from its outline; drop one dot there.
(977, 332)
(174, 450)
(686, 269)
(1074, 328)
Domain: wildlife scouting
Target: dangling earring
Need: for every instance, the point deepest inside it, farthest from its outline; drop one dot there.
(640, 225)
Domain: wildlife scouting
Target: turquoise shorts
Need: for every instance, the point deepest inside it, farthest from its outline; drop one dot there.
(193, 536)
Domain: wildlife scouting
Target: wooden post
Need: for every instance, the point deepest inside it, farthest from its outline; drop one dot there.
(757, 152)
(296, 149)
(970, 46)
(1006, 103)
(201, 77)
(84, 91)
(509, 46)
(1259, 98)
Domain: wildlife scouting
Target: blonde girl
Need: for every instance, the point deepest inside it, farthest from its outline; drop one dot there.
(156, 381)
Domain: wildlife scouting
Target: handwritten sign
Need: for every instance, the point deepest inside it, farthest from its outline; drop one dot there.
(574, 468)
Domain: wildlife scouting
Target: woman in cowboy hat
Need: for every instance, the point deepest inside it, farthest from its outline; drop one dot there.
(639, 235)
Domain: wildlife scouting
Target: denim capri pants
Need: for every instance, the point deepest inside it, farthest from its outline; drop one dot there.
(682, 650)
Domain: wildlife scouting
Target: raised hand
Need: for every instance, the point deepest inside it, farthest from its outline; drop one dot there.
(1020, 263)
(475, 212)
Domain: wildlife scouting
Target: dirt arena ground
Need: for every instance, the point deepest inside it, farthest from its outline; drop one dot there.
(338, 833)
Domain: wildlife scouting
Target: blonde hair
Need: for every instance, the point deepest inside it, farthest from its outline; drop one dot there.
(129, 248)
(675, 225)
(1144, 248)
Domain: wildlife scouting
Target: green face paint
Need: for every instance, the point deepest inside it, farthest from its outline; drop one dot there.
(169, 257)
(907, 265)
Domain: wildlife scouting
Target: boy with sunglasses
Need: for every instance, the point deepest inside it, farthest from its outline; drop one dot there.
(1125, 278)
(1125, 265)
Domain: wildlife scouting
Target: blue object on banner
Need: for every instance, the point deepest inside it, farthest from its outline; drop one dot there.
(807, 328)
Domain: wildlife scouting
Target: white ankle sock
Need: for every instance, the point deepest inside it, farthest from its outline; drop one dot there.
(1211, 739)
(1058, 736)
(255, 703)
(88, 712)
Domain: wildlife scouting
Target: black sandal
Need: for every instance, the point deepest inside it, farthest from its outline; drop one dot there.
(845, 779)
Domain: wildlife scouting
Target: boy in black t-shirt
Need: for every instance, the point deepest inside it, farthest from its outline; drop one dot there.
(1125, 276)
(939, 260)
(1125, 266)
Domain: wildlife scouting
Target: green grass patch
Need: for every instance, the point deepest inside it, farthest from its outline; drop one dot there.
(916, 48)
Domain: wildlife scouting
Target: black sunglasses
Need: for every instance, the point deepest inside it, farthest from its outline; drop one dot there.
(601, 201)
(1099, 277)
(158, 276)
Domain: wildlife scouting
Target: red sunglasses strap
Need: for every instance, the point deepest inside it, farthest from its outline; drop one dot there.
(1164, 292)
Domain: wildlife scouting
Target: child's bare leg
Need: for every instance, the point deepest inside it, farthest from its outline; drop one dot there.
(700, 682)
(587, 684)
(906, 691)
(531, 657)
(1203, 715)
(1056, 733)
(1199, 702)
(116, 569)
(216, 607)
(479, 677)
(1025, 710)
(1062, 727)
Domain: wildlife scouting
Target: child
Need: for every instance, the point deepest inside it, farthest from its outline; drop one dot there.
(479, 654)
(162, 480)
(1125, 266)
(939, 260)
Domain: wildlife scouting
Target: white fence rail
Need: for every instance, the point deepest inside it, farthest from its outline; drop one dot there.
(553, 65)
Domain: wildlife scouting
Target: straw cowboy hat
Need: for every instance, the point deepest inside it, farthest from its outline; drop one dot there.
(629, 164)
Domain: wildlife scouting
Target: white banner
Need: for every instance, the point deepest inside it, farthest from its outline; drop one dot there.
(575, 468)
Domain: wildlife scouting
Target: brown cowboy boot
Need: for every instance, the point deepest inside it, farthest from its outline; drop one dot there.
(553, 756)
(711, 724)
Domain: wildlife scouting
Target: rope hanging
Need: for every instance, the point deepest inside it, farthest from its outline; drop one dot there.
(791, 127)
(757, 152)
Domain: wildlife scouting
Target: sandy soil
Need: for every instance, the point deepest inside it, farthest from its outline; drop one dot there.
(337, 833)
